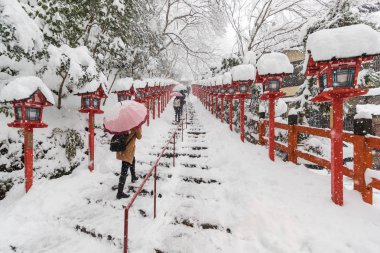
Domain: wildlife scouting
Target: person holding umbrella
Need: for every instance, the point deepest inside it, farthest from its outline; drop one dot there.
(124, 120)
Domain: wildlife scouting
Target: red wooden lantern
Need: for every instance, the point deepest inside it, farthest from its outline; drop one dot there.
(91, 96)
(335, 57)
(242, 78)
(29, 96)
(271, 70)
(124, 89)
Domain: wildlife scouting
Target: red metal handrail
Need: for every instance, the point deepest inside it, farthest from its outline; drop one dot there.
(153, 169)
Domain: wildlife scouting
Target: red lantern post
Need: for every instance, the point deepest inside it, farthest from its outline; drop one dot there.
(242, 79)
(91, 97)
(28, 109)
(337, 78)
(272, 69)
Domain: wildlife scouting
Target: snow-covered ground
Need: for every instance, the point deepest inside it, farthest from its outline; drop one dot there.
(223, 196)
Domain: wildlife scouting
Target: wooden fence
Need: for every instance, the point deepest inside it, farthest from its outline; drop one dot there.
(363, 156)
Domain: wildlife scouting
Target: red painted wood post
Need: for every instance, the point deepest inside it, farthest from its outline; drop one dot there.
(216, 106)
(159, 108)
(28, 157)
(271, 128)
(91, 142)
(337, 152)
(147, 104)
(361, 164)
(222, 109)
(155, 191)
(242, 133)
(261, 132)
(126, 212)
(231, 112)
(154, 108)
(212, 104)
(292, 143)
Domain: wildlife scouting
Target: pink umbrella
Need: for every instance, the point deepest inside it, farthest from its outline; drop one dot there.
(124, 117)
(176, 94)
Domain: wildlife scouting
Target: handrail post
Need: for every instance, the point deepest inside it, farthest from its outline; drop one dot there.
(182, 130)
(174, 150)
(126, 212)
(155, 190)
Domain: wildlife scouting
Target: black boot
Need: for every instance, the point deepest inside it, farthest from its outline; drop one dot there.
(123, 176)
(133, 174)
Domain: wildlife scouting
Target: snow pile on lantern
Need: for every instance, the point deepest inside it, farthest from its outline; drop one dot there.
(123, 84)
(344, 42)
(93, 86)
(227, 78)
(24, 88)
(243, 72)
(274, 63)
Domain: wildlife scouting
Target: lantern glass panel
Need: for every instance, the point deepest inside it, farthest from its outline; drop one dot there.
(231, 90)
(223, 91)
(343, 78)
(33, 114)
(274, 85)
(96, 102)
(18, 113)
(86, 102)
(323, 82)
(243, 88)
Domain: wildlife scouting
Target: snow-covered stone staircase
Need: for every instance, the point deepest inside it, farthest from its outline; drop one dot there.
(188, 212)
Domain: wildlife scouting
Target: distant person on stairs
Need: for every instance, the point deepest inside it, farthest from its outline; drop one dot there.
(183, 102)
(128, 161)
(177, 108)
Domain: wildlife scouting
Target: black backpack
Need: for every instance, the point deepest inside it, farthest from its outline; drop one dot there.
(118, 143)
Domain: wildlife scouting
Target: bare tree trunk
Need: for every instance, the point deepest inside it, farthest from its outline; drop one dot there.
(113, 82)
(60, 91)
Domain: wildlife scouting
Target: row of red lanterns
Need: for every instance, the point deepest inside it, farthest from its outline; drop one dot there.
(28, 111)
(337, 81)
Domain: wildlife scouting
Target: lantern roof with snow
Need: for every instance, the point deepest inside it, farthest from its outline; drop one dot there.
(124, 84)
(343, 42)
(93, 87)
(244, 72)
(24, 88)
(274, 64)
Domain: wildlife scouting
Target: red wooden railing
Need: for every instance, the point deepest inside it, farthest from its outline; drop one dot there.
(363, 147)
(153, 171)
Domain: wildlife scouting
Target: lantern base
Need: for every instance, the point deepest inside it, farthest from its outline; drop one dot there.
(94, 110)
(272, 95)
(330, 95)
(29, 124)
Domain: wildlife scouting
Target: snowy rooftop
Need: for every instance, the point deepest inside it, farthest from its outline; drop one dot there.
(274, 63)
(23, 88)
(343, 42)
